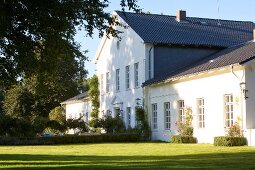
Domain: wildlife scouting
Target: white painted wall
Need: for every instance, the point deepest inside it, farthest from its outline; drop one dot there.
(131, 50)
(75, 110)
(211, 86)
(250, 102)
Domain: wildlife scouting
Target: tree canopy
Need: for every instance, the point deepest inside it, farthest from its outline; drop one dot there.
(41, 64)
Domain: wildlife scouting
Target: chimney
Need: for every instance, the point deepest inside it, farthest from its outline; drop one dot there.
(181, 15)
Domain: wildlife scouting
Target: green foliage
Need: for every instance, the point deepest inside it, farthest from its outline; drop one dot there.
(185, 128)
(70, 139)
(229, 141)
(183, 139)
(93, 92)
(112, 124)
(78, 124)
(58, 115)
(235, 130)
(142, 123)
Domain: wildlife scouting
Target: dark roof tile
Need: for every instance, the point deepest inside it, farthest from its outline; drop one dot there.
(194, 31)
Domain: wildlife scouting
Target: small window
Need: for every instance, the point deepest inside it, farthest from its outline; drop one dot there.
(117, 79)
(181, 111)
(154, 116)
(167, 116)
(229, 110)
(107, 82)
(136, 74)
(127, 77)
(201, 112)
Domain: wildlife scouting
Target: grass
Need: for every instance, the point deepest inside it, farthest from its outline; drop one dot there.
(127, 156)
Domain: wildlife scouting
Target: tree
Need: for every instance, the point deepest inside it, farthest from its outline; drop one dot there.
(94, 97)
(29, 28)
(41, 64)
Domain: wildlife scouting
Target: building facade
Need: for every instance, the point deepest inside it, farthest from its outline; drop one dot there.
(170, 63)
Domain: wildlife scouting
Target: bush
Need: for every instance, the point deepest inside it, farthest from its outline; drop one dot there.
(112, 124)
(70, 139)
(229, 141)
(183, 139)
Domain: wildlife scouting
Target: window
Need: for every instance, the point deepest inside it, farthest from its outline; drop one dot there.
(128, 116)
(154, 116)
(108, 113)
(229, 110)
(136, 67)
(127, 78)
(118, 80)
(201, 112)
(167, 116)
(107, 82)
(87, 117)
(102, 83)
(181, 111)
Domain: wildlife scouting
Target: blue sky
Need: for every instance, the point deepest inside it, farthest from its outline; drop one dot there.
(242, 10)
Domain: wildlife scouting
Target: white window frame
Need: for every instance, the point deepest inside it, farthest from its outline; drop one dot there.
(127, 71)
(229, 109)
(154, 116)
(167, 115)
(181, 111)
(107, 77)
(128, 112)
(136, 74)
(201, 112)
(117, 79)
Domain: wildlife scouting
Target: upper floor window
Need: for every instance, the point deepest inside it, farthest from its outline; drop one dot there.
(229, 110)
(118, 80)
(154, 116)
(136, 74)
(102, 83)
(181, 111)
(167, 115)
(201, 112)
(127, 77)
(107, 82)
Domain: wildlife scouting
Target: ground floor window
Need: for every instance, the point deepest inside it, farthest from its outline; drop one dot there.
(154, 116)
(128, 117)
(167, 115)
(229, 110)
(201, 112)
(181, 111)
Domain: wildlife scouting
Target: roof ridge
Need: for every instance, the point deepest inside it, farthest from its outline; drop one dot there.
(186, 17)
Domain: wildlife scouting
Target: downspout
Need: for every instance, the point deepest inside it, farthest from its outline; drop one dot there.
(150, 63)
(242, 97)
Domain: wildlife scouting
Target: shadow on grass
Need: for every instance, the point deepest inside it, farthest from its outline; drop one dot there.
(241, 160)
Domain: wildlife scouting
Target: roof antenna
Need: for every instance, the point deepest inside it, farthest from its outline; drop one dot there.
(218, 4)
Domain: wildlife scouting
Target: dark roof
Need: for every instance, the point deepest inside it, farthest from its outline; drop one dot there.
(77, 98)
(165, 29)
(239, 54)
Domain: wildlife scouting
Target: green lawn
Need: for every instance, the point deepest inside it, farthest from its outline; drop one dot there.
(127, 156)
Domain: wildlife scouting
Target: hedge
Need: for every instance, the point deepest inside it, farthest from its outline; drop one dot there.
(183, 139)
(70, 139)
(229, 141)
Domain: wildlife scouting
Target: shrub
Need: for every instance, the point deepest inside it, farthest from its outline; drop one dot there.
(70, 139)
(142, 126)
(112, 124)
(183, 139)
(229, 141)
(235, 130)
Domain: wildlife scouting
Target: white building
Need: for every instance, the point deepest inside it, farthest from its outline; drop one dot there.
(175, 62)
(79, 106)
